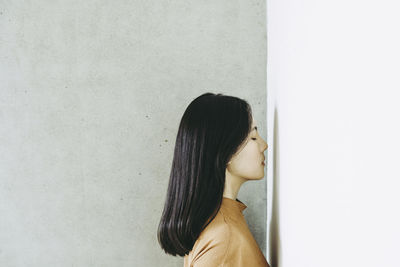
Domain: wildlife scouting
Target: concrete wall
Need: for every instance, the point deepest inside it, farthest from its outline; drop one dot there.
(91, 95)
(333, 115)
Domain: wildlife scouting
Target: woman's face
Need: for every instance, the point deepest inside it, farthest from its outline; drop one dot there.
(248, 162)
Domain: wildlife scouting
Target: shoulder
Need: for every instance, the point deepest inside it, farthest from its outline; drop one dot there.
(216, 234)
(215, 242)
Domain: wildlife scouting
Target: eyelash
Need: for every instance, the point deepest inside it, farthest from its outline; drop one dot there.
(253, 138)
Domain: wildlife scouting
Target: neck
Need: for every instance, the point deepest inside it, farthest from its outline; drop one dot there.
(232, 185)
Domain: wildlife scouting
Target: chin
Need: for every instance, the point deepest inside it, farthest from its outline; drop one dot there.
(258, 177)
(261, 176)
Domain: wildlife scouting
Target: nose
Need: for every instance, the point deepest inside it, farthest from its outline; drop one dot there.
(265, 146)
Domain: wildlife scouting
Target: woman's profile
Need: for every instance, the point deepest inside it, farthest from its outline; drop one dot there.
(217, 149)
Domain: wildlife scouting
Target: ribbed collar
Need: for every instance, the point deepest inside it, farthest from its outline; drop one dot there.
(233, 204)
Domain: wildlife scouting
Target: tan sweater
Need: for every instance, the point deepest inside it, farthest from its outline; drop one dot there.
(226, 241)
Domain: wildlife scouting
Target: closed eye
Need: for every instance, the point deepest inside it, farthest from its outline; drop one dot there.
(253, 138)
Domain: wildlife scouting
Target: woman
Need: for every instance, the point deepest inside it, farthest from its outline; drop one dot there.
(217, 149)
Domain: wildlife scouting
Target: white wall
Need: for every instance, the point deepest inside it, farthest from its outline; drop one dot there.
(333, 71)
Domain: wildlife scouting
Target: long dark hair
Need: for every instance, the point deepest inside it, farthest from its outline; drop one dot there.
(213, 128)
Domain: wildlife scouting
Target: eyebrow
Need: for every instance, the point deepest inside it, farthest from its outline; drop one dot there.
(255, 127)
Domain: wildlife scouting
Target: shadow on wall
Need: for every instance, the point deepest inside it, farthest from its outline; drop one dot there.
(275, 241)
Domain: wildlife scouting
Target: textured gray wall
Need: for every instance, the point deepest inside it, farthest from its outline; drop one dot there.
(91, 95)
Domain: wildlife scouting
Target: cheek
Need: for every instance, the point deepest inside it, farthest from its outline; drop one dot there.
(251, 152)
(249, 157)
